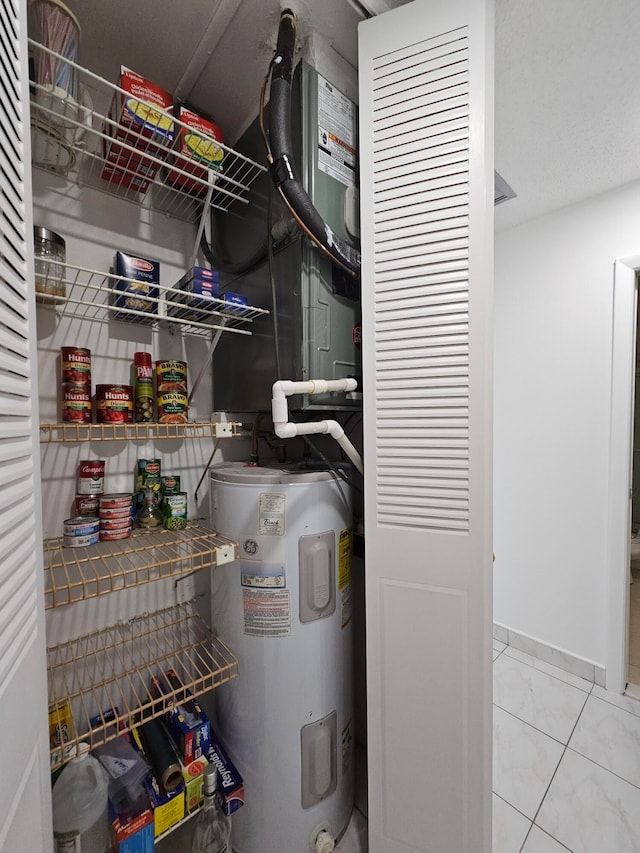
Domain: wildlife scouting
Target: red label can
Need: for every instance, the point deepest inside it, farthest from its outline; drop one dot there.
(114, 404)
(91, 477)
(76, 365)
(87, 504)
(76, 404)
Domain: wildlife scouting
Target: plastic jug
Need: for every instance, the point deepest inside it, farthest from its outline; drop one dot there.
(80, 806)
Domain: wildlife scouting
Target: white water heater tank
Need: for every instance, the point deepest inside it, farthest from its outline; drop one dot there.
(285, 608)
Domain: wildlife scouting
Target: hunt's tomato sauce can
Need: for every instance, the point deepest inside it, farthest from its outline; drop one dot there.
(114, 404)
(76, 366)
(76, 404)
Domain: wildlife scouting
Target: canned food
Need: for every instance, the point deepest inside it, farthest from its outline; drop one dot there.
(170, 484)
(80, 541)
(81, 525)
(143, 387)
(175, 511)
(114, 404)
(112, 535)
(115, 524)
(91, 477)
(148, 474)
(120, 499)
(76, 366)
(171, 376)
(173, 408)
(117, 512)
(87, 504)
(76, 404)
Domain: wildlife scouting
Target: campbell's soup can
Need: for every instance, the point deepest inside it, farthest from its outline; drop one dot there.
(76, 365)
(76, 404)
(87, 504)
(171, 376)
(91, 477)
(114, 404)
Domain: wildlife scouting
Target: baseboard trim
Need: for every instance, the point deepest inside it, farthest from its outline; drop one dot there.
(550, 654)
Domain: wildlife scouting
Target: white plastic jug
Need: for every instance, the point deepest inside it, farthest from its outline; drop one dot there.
(80, 806)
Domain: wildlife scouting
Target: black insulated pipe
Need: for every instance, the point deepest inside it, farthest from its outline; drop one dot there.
(282, 166)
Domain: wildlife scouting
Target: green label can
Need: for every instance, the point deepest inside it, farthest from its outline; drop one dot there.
(175, 511)
(171, 484)
(148, 474)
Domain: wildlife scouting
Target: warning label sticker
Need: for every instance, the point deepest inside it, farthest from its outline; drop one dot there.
(267, 613)
(345, 550)
(272, 511)
(336, 133)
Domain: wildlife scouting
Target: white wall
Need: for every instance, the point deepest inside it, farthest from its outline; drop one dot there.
(553, 315)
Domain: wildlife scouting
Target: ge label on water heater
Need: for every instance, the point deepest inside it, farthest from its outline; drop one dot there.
(336, 133)
(272, 514)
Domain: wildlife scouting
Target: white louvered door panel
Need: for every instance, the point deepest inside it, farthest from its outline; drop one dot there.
(426, 143)
(25, 822)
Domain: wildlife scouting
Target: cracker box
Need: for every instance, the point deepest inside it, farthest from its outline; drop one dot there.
(138, 287)
(193, 781)
(186, 722)
(135, 836)
(142, 119)
(196, 152)
(230, 781)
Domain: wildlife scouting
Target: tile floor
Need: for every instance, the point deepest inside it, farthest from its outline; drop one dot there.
(566, 762)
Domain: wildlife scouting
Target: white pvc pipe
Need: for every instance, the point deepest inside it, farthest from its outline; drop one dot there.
(284, 428)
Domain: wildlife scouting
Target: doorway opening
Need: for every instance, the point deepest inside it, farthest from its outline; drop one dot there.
(621, 447)
(633, 643)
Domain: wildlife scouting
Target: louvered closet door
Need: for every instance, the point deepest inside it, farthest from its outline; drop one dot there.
(24, 784)
(427, 189)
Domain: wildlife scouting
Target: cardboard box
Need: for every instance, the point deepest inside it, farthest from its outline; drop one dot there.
(193, 782)
(138, 288)
(230, 781)
(141, 118)
(168, 808)
(234, 301)
(197, 290)
(135, 836)
(187, 723)
(196, 152)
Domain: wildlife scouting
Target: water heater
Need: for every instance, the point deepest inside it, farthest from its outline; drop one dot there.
(285, 608)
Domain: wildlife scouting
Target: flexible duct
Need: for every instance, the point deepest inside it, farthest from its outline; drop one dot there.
(281, 157)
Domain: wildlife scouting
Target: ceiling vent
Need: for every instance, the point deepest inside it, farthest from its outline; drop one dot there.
(501, 190)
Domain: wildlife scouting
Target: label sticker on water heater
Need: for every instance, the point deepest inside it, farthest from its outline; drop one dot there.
(272, 514)
(267, 613)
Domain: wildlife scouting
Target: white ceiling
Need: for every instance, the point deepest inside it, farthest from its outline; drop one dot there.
(567, 77)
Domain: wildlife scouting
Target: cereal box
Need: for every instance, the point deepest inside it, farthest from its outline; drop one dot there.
(196, 151)
(141, 119)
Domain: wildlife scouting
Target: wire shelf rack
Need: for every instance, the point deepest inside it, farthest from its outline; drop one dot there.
(81, 137)
(76, 574)
(69, 433)
(94, 295)
(104, 678)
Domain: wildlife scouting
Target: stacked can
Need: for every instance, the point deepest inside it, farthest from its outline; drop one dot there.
(80, 531)
(172, 401)
(76, 385)
(116, 516)
(90, 486)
